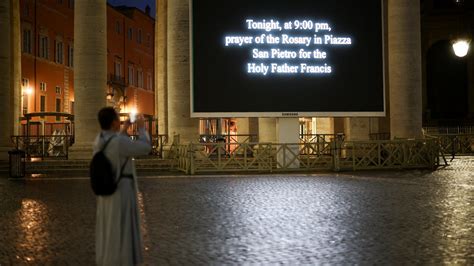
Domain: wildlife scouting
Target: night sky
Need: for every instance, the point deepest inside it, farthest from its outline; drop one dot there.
(141, 4)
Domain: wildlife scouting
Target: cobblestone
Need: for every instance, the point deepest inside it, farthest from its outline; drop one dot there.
(409, 217)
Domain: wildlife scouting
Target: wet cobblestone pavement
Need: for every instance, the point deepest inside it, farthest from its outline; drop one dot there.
(412, 217)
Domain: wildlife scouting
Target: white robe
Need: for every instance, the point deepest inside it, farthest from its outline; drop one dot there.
(118, 237)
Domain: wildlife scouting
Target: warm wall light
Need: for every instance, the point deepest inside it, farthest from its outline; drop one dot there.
(28, 91)
(461, 48)
(110, 96)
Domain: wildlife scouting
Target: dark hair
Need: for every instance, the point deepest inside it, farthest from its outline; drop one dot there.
(106, 116)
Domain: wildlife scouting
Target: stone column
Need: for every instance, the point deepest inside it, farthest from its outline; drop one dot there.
(339, 125)
(247, 126)
(179, 120)
(267, 130)
(243, 128)
(357, 128)
(16, 65)
(161, 79)
(90, 71)
(404, 32)
(324, 125)
(6, 80)
(288, 132)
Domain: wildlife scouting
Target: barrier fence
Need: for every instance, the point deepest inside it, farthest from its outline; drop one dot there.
(455, 144)
(269, 157)
(57, 146)
(48, 146)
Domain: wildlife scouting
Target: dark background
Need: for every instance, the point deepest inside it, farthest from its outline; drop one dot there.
(221, 83)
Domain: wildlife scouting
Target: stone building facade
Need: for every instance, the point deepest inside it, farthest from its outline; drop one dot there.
(47, 58)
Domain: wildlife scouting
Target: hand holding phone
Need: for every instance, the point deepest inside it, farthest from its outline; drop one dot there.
(133, 116)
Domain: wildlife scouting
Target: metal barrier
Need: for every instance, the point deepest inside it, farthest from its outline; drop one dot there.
(57, 146)
(229, 140)
(269, 157)
(48, 146)
(448, 130)
(158, 143)
(455, 144)
(394, 154)
(322, 141)
(379, 136)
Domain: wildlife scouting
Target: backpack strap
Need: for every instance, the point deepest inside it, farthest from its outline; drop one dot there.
(107, 142)
(126, 161)
(123, 167)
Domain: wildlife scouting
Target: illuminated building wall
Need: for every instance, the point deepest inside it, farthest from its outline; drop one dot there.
(47, 28)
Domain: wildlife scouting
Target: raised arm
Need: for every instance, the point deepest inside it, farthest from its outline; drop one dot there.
(141, 146)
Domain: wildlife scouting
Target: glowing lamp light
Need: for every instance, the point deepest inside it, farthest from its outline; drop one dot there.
(28, 91)
(133, 115)
(110, 96)
(461, 48)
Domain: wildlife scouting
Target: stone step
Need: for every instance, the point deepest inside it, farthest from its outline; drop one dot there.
(58, 166)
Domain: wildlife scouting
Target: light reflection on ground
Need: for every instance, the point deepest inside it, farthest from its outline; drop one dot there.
(409, 217)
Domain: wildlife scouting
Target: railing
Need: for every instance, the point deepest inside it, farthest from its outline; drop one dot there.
(455, 144)
(48, 146)
(228, 139)
(157, 144)
(322, 142)
(379, 136)
(448, 130)
(57, 146)
(394, 154)
(118, 80)
(268, 157)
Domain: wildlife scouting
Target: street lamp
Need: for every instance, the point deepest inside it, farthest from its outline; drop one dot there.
(110, 96)
(27, 91)
(461, 44)
(461, 47)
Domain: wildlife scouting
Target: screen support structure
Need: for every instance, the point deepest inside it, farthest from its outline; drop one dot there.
(288, 133)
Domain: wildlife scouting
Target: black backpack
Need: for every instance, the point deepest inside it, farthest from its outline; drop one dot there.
(102, 173)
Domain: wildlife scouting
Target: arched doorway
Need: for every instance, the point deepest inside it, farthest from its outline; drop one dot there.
(447, 84)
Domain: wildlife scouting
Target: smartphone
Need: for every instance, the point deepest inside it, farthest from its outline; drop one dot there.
(133, 117)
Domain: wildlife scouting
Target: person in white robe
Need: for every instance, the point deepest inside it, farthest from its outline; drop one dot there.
(118, 236)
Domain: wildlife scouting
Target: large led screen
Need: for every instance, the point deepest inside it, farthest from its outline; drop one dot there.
(278, 58)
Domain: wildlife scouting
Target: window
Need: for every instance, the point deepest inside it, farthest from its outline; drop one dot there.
(42, 86)
(70, 56)
(72, 108)
(118, 69)
(25, 105)
(58, 90)
(25, 82)
(59, 52)
(130, 75)
(70, 3)
(27, 41)
(149, 82)
(148, 40)
(60, 2)
(140, 78)
(118, 27)
(58, 108)
(43, 47)
(139, 36)
(43, 103)
(130, 33)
